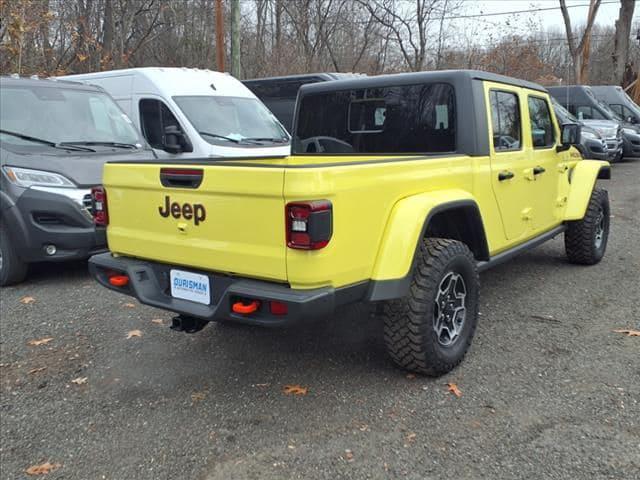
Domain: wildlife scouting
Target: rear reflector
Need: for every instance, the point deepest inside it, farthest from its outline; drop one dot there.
(245, 308)
(119, 280)
(278, 308)
(309, 224)
(99, 204)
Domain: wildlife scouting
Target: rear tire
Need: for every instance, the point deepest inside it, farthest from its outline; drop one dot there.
(430, 329)
(12, 269)
(585, 240)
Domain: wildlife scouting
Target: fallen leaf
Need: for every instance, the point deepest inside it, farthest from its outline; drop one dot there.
(42, 469)
(80, 380)
(630, 333)
(158, 321)
(411, 376)
(348, 455)
(294, 390)
(134, 333)
(36, 370)
(453, 388)
(410, 437)
(27, 300)
(129, 305)
(198, 396)
(42, 341)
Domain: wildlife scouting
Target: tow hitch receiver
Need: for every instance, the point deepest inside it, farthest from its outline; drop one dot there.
(182, 323)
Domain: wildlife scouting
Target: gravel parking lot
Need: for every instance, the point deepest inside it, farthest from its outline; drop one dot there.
(548, 390)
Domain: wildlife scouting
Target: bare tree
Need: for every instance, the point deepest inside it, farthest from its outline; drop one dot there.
(408, 26)
(577, 51)
(620, 55)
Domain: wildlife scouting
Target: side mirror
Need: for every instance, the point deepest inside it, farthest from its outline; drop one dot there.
(174, 139)
(631, 119)
(569, 135)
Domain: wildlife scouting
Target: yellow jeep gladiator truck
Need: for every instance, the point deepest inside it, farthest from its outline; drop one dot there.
(399, 190)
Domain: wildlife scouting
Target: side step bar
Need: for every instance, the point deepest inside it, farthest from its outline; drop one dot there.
(509, 254)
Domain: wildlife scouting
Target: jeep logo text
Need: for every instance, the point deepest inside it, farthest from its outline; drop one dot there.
(188, 211)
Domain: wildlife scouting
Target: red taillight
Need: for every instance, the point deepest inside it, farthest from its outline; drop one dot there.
(99, 204)
(278, 308)
(309, 224)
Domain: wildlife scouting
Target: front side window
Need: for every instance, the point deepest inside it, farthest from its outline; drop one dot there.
(232, 121)
(542, 131)
(59, 115)
(618, 109)
(505, 120)
(587, 112)
(155, 117)
(417, 119)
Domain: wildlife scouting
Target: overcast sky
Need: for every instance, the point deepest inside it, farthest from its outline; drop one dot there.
(550, 19)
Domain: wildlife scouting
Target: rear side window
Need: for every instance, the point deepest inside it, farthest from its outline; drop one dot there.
(417, 119)
(505, 120)
(155, 116)
(542, 131)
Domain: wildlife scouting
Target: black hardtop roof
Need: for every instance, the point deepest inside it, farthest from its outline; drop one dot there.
(416, 78)
(305, 76)
(46, 82)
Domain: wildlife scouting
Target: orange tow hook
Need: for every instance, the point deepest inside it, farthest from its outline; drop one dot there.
(119, 280)
(245, 309)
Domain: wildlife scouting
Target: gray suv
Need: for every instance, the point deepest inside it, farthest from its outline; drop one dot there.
(55, 137)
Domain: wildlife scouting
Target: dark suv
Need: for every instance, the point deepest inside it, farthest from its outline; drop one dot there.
(54, 139)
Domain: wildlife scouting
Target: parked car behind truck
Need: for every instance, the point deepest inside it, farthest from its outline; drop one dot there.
(618, 100)
(54, 139)
(582, 102)
(436, 176)
(187, 113)
(593, 145)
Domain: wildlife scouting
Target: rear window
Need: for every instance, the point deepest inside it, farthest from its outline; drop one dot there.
(417, 119)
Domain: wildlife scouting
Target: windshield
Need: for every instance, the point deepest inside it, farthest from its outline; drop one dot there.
(58, 115)
(232, 121)
(563, 114)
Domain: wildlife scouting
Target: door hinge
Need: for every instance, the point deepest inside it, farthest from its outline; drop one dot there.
(561, 201)
(527, 214)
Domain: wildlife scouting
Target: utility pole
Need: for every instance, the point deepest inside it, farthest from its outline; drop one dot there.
(219, 36)
(235, 38)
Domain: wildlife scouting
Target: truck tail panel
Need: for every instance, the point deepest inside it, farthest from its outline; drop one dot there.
(223, 218)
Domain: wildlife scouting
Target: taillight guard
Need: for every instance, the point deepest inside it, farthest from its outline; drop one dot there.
(99, 204)
(309, 224)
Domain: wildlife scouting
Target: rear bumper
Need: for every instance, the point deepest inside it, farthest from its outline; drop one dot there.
(149, 283)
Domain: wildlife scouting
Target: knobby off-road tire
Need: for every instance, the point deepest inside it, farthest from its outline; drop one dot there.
(12, 269)
(585, 240)
(413, 324)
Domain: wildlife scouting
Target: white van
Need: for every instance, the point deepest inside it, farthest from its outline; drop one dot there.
(191, 113)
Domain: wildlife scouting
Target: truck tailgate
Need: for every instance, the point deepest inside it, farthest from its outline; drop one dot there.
(230, 221)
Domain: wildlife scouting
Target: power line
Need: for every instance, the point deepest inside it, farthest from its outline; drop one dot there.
(543, 9)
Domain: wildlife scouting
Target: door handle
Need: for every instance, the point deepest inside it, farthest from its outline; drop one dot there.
(538, 170)
(505, 175)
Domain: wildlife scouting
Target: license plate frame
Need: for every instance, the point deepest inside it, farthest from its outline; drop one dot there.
(194, 287)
